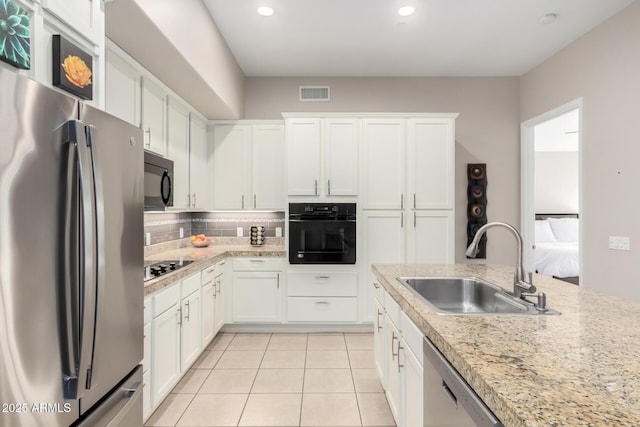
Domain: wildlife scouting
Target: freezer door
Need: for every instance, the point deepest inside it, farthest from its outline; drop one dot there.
(34, 356)
(121, 408)
(118, 162)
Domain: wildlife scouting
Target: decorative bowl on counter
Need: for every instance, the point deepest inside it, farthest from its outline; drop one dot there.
(200, 241)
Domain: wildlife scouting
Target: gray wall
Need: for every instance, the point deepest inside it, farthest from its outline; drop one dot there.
(602, 67)
(487, 130)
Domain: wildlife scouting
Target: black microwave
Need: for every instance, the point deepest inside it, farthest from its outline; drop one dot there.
(158, 182)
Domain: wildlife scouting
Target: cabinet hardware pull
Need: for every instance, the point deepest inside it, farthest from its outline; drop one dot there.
(254, 201)
(188, 311)
(315, 187)
(323, 302)
(414, 219)
(179, 313)
(148, 144)
(414, 200)
(322, 277)
(378, 319)
(188, 200)
(278, 282)
(329, 187)
(375, 285)
(194, 200)
(243, 201)
(402, 220)
(219, 286)
(256, 260)
(393, 338)
(211, 270)
(400, 347)
(402, 201)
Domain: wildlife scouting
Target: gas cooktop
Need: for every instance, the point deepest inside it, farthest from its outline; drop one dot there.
(160, 268)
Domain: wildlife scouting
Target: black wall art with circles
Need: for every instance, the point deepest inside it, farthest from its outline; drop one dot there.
(477, 204)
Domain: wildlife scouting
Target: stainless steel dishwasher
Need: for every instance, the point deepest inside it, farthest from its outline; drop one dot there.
(448, 400)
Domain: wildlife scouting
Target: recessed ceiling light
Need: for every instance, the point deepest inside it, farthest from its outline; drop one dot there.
(406, 10)
(549, 18)
(265, 11)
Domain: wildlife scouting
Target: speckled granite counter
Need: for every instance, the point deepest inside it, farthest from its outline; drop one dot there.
(204, 257)
(581, 368)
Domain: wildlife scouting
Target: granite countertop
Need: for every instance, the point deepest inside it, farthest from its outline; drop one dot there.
(203, 257)
(580, 368)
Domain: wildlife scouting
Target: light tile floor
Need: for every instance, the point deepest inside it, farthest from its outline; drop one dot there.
(280, 380)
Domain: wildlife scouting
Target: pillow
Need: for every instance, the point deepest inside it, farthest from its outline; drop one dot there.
(565, 229)
(543, 231)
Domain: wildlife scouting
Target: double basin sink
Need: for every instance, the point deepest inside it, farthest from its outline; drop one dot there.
(468, 296)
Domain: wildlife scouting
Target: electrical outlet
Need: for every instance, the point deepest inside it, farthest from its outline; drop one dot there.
(239, 232)
(181, 232)
(278, 231)
(620, 243)
(147, 239)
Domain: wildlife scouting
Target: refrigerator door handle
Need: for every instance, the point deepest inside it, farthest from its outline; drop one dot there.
(80, 290)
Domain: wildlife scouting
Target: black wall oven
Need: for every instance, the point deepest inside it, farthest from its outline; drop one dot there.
(321, 233)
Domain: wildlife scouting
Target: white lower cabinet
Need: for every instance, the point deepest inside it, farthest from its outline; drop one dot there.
(165, 349)
(322, 295)
(146, 361)
(191, 324)
(257, 284)
(219, 289)
(208, 305)
(398, 359)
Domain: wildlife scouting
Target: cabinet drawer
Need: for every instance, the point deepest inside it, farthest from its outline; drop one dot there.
(393, 310)
(257, 264)
(165, 299)
(148, 303)
(146, 362)
(208, 274)
(310, 284)
(412, 335)
(190, 285)
(378, 291)
(305, 309)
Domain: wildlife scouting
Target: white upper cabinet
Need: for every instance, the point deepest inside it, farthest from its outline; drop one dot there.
(231, 145)
(248, 165)
(303, 156)
(84, 16)
(122, 88)
(322, 156)
(178, 151)
(341, 156)
(268, 171)
(199, 177)
(430, 163)
(383, 150)
(154, 102)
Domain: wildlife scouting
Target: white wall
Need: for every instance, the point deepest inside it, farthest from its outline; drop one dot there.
(487, 131)
(602, 67)
(556, 182)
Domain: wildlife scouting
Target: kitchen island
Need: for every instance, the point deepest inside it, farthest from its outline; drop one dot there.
(579, 368)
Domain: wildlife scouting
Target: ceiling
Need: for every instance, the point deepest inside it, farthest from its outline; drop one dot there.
(369, 38)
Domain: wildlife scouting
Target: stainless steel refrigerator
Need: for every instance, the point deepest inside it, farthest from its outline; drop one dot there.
(71, 261)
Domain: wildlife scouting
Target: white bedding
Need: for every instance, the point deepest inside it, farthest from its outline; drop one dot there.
(558, 259)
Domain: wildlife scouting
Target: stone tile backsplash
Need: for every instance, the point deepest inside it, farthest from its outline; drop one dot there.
(165, 226)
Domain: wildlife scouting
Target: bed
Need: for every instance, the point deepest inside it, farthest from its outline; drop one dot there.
(557, 247)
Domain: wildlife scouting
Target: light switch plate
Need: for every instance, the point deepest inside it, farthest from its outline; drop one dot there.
(278, 231)
(181, 232)
(239, 232)
(620, 243)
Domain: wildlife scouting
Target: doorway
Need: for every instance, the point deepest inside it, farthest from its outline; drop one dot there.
(551, 192)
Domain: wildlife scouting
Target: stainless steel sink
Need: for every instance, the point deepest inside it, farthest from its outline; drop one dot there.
(467, 295)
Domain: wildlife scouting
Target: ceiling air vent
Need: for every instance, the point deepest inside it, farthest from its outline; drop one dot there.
(314, 93)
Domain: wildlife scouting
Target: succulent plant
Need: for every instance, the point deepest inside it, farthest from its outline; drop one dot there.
(15, 43)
